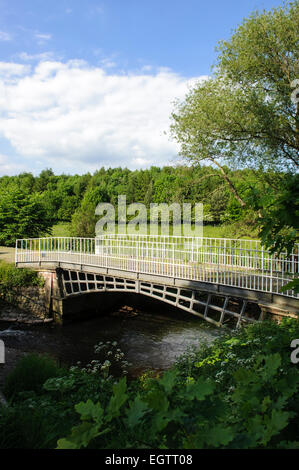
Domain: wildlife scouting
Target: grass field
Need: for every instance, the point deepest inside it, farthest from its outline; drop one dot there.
(209, 231)
(61, 230)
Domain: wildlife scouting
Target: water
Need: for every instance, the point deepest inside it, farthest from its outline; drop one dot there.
(151, 340)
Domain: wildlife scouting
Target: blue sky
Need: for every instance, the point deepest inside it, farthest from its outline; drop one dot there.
(91, 84)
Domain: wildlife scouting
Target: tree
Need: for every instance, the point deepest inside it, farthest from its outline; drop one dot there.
(84, 219)
(246, 115)
(21, 216)
(45, 177)
(280, 217)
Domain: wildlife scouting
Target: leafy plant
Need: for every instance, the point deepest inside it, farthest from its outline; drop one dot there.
(12, 277)
(172, 414)
(30, 374)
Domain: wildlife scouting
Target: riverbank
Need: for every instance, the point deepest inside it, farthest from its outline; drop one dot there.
(151, 339)
(14, 317)
(238, 392)
(24, 295)
(13, 314)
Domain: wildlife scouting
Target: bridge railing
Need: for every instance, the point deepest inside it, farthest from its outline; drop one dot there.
(233, 262)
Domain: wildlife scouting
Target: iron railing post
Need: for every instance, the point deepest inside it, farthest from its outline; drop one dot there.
(271, 275)
(244, 264)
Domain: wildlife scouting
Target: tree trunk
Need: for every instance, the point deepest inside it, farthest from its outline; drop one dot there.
(229, 182)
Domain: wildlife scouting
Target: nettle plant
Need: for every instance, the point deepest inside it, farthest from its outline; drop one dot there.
(112, 361)
(91, 378)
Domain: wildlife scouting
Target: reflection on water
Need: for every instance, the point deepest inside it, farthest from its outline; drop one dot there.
(149, 340)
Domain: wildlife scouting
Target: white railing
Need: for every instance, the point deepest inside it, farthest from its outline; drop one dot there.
(232, 262)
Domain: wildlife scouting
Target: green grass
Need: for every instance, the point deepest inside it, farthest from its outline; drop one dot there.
(30, 374)
(61, 230)
(227, 231)
(213, 231)
(209, 231)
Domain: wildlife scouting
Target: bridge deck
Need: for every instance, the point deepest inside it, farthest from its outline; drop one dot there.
(215, 273)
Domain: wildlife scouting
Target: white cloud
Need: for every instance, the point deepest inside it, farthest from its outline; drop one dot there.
(8, 70)
(7, 167)
(108, 63)
(42, 38)
(75, 117)
(43, 56)
(5, 36)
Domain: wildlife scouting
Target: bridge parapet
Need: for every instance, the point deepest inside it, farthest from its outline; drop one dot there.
(243, 264)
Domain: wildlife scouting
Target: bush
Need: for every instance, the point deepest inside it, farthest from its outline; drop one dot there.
(238, 393)
(37, 420)
(12, 277)
(30, 374)
(240, 349)
(24, 427)
(169, 414)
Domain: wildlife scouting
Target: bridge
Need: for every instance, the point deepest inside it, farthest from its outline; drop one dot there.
(216, 279)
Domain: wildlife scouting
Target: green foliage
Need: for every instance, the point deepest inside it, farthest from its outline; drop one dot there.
(36, 419)
(69, 202)
(279, 220)
(21, 216)
(244, 115)
(279, 223)
(61, 230)
(195, 415)
(30, 425)
(12, 277)
(30, 374)
(84, 219)
(228, 353)
(239, 393)
(292, 285)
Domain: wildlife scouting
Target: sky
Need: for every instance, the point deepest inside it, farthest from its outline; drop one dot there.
(86, 84)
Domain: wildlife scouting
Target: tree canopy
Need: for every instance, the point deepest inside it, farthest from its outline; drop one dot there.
(21, 216)
(246, 114)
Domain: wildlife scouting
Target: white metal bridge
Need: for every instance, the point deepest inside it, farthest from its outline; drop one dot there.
(232, 263)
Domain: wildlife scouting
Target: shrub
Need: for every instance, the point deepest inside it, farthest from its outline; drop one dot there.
(241, 392)
(30, 374)
(25, 427)
(36, 420)
(170, 414)
(240, 349)
(12, 277)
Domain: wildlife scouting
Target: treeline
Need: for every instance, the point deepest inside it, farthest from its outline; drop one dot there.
(31, 205)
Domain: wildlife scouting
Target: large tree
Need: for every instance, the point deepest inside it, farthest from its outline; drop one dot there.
(21, 216)
(247, 113)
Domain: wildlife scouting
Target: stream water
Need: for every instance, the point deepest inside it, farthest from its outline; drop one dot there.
(150, 339)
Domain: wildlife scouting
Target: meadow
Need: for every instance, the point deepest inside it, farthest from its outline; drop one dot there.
(209, 231)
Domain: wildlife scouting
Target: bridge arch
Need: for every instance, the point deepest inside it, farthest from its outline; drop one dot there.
(215, 309)
(199, 275)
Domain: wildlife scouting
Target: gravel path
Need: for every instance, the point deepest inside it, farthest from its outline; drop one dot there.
(7, 254)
